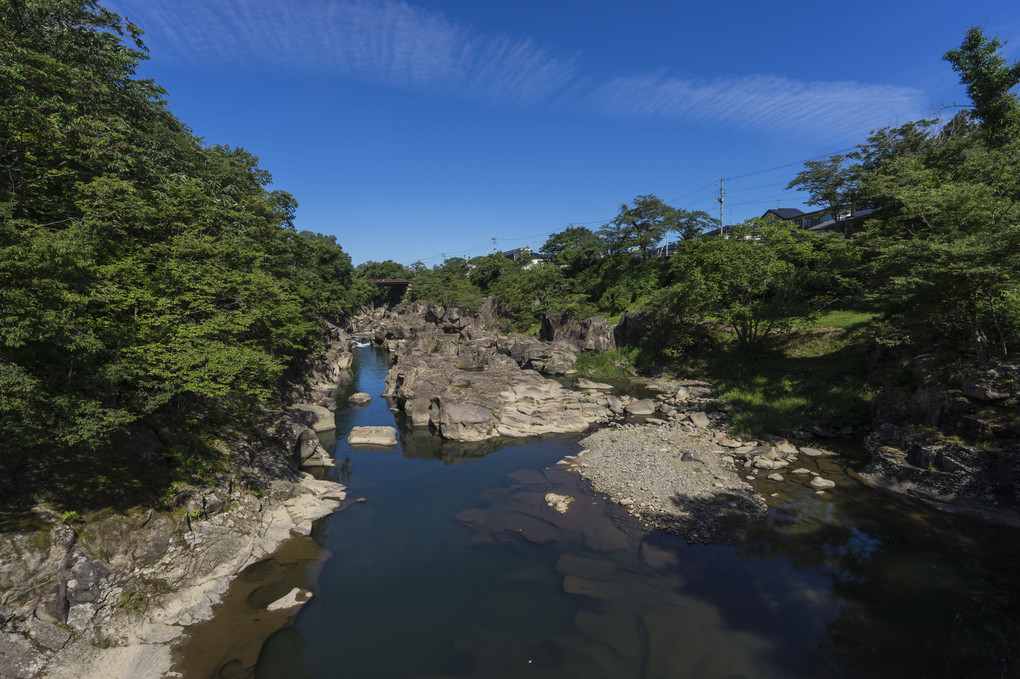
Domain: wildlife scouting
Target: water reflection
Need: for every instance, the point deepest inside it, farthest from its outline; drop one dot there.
(465, 570)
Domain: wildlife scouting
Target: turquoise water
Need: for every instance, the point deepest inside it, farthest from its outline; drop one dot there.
(454, 566)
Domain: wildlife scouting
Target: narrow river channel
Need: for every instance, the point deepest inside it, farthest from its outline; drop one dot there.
(454, 566)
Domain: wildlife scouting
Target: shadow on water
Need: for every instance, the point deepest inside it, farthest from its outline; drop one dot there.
(897, 589)
(466, 570)
(228, 646)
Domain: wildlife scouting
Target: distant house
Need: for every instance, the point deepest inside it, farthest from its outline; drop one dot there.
(783, 213)
(819, 221)
(518, 255)
(525, 256)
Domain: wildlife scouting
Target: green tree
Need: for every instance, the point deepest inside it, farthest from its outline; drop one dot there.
(383, 295)
(524, 295)
(489, 270)
(943, 245)
(576, 247)
(383, 270)
(757, 281)
(639, 226)
(830, 184)
(688, 224)
(446, 284)
(142, 273)
(989, 81)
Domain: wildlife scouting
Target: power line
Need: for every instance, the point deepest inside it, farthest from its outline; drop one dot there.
(700, 200)
(780, 167)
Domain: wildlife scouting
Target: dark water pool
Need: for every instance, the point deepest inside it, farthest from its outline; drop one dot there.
(455, 566)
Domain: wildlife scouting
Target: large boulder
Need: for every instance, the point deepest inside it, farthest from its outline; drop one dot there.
(298, 438)
(448, 319)
(632, 330)
(462, 421)
(645, 406)
(555, 358)
(316, 417)
(359, 399)
(579, 334)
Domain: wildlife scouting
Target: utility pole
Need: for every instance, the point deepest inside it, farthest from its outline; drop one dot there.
(495, 248)
(722, 196)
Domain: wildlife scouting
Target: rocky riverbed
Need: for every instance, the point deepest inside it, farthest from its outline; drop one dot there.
(694, 481)
(674, 466)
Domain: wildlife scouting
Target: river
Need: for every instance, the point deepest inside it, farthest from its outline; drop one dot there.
(453, 567)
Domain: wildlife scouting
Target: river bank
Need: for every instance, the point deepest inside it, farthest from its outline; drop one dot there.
(955, 451)
(111, 593)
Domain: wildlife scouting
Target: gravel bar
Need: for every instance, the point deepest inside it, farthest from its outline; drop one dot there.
(671, 478)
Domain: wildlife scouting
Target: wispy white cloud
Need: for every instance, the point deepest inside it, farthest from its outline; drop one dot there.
(382, 40)
(762, 103)
(406, 46)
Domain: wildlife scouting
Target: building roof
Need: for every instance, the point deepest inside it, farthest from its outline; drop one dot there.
(784, 212)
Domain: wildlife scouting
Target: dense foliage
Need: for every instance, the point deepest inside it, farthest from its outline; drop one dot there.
(142, 272)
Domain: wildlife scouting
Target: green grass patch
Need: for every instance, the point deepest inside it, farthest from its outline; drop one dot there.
(608, 364)
(840, 318)
(819, 376)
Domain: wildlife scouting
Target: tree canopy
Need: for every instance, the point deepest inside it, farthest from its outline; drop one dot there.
(989, 81)
(142, 272)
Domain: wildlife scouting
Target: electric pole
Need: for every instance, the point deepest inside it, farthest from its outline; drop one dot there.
(722, 196)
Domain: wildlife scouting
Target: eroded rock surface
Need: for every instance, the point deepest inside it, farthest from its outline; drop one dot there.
(581, 334)
(464, 382)
(109, 598)
(952, 441)
(499, 399)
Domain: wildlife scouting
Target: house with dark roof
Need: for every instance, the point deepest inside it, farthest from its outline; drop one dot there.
(784, 213)
(820, 221)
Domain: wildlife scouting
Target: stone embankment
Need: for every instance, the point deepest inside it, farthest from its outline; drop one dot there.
(110, 594)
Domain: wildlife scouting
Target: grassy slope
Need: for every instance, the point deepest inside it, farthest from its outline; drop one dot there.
(818, 374)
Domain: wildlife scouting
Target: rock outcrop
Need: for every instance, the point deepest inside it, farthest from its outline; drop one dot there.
(109, 593)
(953, 441)
(373, 436)
(110, 596)
(316, 380)
(319, 418)
(631, 331)
(500, 399)
(548, 358)
(580, 334)
(454, 376)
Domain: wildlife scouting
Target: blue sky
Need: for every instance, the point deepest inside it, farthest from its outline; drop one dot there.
(414, 130)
